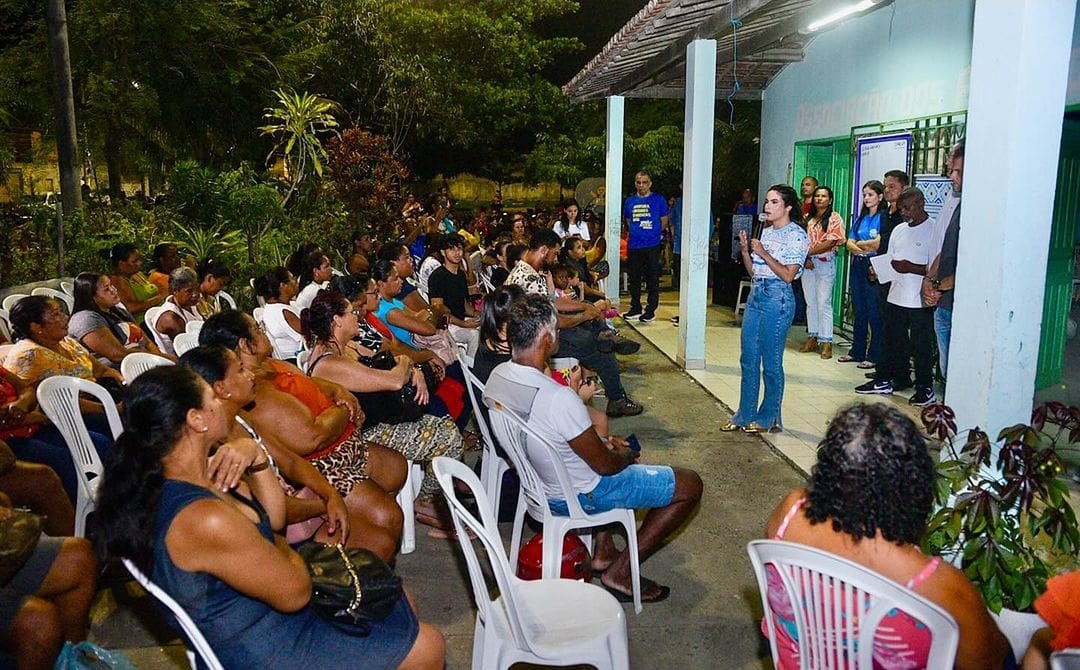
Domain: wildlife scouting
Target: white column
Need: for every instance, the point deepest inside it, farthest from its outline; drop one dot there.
(1019, 69)
(697, 200)
(613, 140)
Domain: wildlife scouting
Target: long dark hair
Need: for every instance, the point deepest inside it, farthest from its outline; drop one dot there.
(823, 219)
(155, 412)
(496, 311)
(85, 286)
(791, 199)
(878, 188)
(566, 219)
(380, 272)
(226, 329)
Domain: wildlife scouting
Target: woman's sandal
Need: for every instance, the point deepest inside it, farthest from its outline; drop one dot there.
(866, 365)
(730, 427)
(847, 358)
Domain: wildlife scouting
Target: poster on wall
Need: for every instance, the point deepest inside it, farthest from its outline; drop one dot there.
(936, 189)
(874, 156)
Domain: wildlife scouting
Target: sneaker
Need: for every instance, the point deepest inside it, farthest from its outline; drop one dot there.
(883, 387)
(624, 406)
(675, 321)
(648, 317)
(632, 314)
(923, 397)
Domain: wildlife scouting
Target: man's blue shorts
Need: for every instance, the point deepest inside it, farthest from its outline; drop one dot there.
(637, 486)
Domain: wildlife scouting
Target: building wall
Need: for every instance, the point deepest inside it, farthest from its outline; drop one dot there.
(906, 60)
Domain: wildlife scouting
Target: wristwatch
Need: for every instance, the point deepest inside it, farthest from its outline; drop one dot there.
(935, 283)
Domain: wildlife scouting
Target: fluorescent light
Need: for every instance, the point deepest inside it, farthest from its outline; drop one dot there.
(840, 14)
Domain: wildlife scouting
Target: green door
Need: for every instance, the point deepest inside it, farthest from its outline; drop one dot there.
(829, 161)
(1059, 266)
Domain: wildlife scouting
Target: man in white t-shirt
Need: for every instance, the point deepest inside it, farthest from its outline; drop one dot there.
(908, 325)
(604, 471)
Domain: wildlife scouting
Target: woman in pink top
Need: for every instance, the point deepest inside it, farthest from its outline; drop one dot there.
(868, 500)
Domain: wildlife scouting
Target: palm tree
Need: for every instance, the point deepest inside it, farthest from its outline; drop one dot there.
(298, 122)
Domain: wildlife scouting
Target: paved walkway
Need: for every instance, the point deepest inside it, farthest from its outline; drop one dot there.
(813, 391)
(711, 619)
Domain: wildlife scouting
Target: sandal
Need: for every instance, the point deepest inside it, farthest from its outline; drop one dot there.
(730, 427)
(753, 428)
(866, 365)
(847, 358)
(471, 441)
(651, 592)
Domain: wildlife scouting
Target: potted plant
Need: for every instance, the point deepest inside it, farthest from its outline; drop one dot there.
(1004, 515)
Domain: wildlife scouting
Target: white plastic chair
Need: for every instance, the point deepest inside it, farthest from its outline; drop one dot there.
(302, 358)
(405, 498)
(59, 295)
(227, 299)
(740, 298)
(68, 287)
(5, 324)
(135, 364)
(1066, 659)
(492, 466)
(512, 430)
(10, 300)
(184, 342)
(549, 622)
(150, 318)
(4, 349)
(195, 638)
(258, 298)
(194, 327)
(823, 624)
(59, 400)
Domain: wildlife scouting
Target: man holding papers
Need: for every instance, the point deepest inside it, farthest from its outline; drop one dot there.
(908, 325)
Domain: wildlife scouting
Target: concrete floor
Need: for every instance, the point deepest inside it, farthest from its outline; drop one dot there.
(710, 620)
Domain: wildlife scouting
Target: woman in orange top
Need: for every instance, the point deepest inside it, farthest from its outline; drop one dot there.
(825, 228)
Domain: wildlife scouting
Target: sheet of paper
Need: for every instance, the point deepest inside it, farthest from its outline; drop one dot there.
(883, 268)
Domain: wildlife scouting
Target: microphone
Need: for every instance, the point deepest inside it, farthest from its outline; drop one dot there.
(758, 226)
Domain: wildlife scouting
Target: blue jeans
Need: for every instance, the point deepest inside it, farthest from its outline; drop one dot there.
(868, 323)
(769, 312)
(943, 328)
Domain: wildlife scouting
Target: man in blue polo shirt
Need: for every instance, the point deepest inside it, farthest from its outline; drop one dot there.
(646, 215)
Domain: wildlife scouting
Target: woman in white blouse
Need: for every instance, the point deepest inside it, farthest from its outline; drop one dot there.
(280, 319)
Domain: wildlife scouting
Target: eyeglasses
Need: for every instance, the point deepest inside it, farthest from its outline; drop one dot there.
(375, 292)
(261, 327)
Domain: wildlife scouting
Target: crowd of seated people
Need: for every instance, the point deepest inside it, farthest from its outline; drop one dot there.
(378, 384)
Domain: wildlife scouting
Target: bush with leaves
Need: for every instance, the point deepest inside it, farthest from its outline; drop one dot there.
(1004, 511)
(365, 175)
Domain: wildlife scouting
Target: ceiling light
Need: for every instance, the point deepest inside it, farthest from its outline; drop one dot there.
(839, 14)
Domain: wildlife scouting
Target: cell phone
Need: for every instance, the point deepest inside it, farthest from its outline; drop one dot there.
(633, 443)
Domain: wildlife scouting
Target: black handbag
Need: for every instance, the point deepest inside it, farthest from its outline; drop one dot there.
(350, 587)
(19, 535)
(392, 407)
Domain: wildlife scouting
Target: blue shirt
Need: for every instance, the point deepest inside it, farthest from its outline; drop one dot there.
(385, 307)
(867, 228)
(643, 213)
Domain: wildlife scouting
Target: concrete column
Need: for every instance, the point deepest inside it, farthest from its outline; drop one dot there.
(697, 200)
(1019, 70)
(613, 140)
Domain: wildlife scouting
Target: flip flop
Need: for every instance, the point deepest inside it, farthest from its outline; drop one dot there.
(623, 597)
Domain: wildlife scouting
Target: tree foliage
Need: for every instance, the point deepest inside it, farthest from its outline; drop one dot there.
(365, 175)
